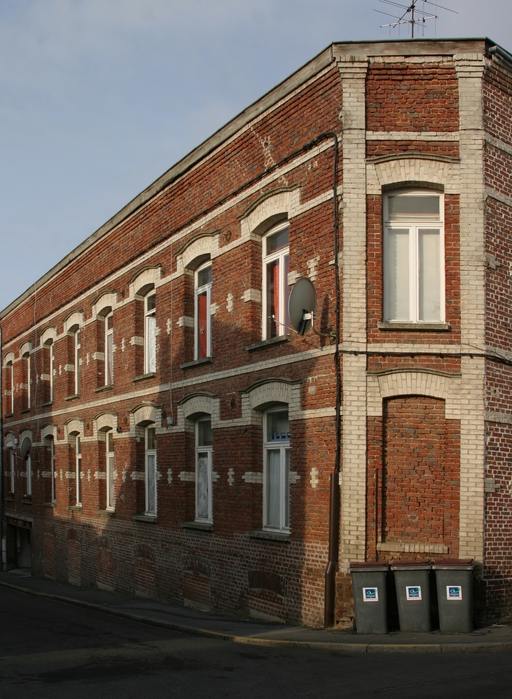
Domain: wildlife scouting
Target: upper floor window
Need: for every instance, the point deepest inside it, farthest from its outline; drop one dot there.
(109, 349)
(51, 370)
(275, 282)
(276, 470)
(25, 359)
(413, 257)
(10, 387)
(77, 357)
(202, 315)
(204, 470)
(150, 333)
(12, 467)
(150, 470)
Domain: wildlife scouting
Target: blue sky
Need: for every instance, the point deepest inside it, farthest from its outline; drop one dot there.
(99, 97)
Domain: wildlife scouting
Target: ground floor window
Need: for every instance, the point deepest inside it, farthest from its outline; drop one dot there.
(204, 470)
(276, 469)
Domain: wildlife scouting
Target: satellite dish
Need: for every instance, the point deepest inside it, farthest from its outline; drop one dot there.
(302, 305)
(25, 448)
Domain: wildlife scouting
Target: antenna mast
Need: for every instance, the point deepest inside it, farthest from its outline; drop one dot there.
(410, 14)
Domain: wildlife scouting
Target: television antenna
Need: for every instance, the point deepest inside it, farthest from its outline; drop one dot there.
(411, 14)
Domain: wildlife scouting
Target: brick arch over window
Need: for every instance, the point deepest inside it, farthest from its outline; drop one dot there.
(199, 404)
(197, 250)
(420, 383)
(9, 357)
(263, 394)
(49, 335)
(145, 280)
(73, 426)
(74, 320)
(270, 209)
(104, 421)
(145, 414)
(393, 171)
(48, 431)
(10, 441)
(25, 348)
(105, 301)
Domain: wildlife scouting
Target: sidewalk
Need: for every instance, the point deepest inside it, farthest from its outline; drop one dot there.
(493, 639)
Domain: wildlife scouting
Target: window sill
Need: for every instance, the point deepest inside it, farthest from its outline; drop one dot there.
(9, 497)
(151, 375)
(45, 405)
(419, 327)
(104, 388)
(106, 513)
(25, 410)
(200, 526)
(9, 415)
(73, 397)
(26, 500)
(196, 362)
(270, 536)
(74, 508)
(150, 519)
(48, 504)
(268, 343)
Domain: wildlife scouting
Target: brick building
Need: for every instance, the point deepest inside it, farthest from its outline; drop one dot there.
(165, 433)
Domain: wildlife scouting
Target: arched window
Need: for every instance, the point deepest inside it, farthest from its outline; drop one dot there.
(150, 332)
(202, 314)
(276, 469)
(275, 290)
(413, 257)
(10, 387)
(109, 349)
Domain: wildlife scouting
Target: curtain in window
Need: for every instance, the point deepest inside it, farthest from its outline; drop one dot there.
(202, 328)
(151, 483)
(202, 486)
(151, 343)
(429, 274)
(397, 275)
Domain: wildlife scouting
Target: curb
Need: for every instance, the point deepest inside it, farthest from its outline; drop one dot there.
(485, 647)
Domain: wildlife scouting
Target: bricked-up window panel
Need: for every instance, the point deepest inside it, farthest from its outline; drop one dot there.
(414, 257)
(202, 314)
(275, 290)
(9, 388)
(150, 474)
(276, 470)
(204, 442)
(420, 498)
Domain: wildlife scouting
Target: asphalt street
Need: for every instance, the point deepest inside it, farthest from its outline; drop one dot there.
(52, 649)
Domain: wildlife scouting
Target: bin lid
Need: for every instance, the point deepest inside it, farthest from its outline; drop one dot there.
(410, 565)
(453, 564)
(368, 567)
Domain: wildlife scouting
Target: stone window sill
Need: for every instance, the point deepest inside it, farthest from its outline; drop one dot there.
(73, 397)
(25, 410)
(200, 526)
(26, 500)
(196, 362)
(270, 536)
(48, 504)
(74, 508)
(418, 327)
(145, 518)
(268, 343)
(46, 405)
(142, 377)
(106, 513)
(104, 388)
(9, 415)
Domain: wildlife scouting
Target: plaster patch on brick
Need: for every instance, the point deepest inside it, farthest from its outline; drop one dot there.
(313, 477)
(187, 476)
(252, 477)
(231, 476)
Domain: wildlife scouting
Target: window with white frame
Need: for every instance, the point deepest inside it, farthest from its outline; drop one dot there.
(28, 470)
(109, 349)
(150, 333)
(26, 377)
(12, 465)
(150, 471)
(202, 315)
(276, 469)
(51, 447)
(275, 282)
(10, 383)
(77, 356)
(414, 257)
(78, 471)
(51, 369)
(110, 466)
(204, 470)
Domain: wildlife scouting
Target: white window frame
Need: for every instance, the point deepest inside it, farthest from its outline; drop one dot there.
(77, 352)
(414, 224)
(12, 460)
(150, 469)
(109, 349)
(281, 445)
(150, 333)
(78, 471)
(51, 362)
(52, 468)
(110, 470)
(203, 450)
(28, 471)
(282, 256)
(199, 290)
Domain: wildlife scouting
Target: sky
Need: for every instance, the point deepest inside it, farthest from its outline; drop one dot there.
(98, 98)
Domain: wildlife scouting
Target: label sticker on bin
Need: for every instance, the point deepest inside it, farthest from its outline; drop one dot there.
(370, 594)
(413, 592)
(454, 592)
